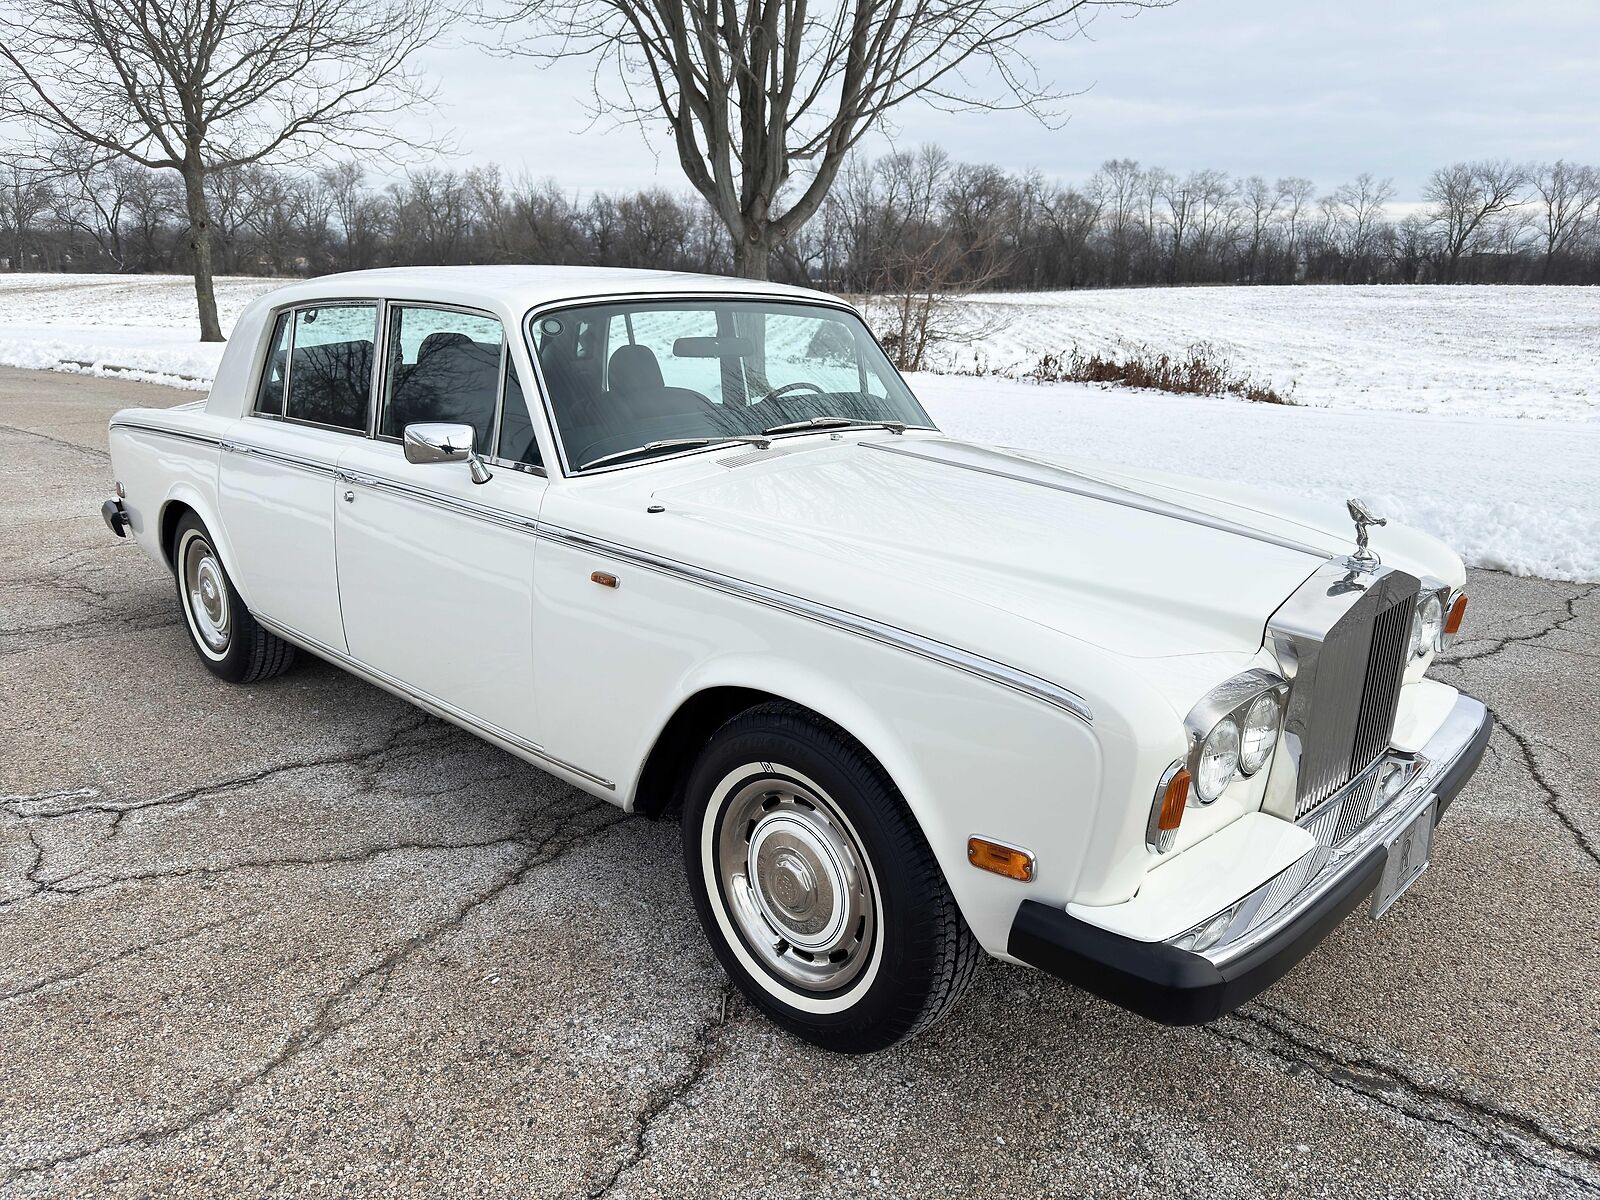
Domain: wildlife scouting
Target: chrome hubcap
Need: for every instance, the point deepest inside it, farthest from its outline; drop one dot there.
(208, 594)
(796, 883)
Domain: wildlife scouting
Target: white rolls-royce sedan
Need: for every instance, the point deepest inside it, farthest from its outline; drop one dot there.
(692, 545)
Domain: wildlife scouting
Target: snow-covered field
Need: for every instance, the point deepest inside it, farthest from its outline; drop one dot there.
(1473, 413)
(1459, 351)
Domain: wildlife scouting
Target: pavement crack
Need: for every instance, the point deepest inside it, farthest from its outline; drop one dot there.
(1499, 645)
(45, 437)
(347, 1004)
(1498, 1129)
(1553, 800)
(706, 1049)
(123, 955)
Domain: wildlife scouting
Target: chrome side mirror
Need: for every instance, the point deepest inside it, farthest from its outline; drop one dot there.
(445, 441)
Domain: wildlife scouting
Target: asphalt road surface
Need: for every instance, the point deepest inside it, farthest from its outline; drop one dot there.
(302, 939)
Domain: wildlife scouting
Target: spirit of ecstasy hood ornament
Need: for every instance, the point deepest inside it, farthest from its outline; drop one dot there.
(1364, 519)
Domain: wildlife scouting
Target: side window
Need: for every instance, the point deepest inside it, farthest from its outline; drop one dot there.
(269, 396)
(443, 366)
(330, 370)
(517, 441)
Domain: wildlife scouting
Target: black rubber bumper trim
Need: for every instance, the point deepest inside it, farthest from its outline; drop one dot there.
(1179, 987)
(1457, 773)
(115, 516)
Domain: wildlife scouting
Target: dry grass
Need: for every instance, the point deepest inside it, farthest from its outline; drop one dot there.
(1202, 371)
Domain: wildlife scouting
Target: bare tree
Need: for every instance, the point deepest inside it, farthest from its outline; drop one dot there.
(91, 195)
(1296, 192)
(1569, 200)
(1465, 196)
(25, 195)
(764, 100)
(196, 86)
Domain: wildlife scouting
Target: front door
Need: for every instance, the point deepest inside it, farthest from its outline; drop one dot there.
(435, 571)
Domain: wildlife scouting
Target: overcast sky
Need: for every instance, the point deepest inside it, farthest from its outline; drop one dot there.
(1320, 88)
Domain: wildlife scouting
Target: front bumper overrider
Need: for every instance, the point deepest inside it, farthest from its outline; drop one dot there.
(1276, 925)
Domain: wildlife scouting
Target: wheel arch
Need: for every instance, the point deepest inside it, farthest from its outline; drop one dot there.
(182, 498)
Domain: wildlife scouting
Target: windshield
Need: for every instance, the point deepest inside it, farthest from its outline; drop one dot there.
(632, 380)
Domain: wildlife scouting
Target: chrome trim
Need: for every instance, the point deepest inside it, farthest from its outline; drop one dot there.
(1156, 839)
(1282, 899)
(278, 456)
(1230, 698)
(1056, 478)
(439, 707)
(1321, 726)
(203, 439)
(890, 635)
(965, 661)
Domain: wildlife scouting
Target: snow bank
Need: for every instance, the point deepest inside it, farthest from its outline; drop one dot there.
(1519, 496)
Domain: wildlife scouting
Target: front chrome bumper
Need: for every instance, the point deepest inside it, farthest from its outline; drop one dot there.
(1276, 924)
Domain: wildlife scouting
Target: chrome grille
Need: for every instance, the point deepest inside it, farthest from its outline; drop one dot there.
(1349, 713)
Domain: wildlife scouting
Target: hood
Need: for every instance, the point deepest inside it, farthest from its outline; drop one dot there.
(1140, 565)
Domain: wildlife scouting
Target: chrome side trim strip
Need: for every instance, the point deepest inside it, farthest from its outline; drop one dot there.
(889, 635)
(202, 439)
(278, 456)
(1064, 479)
(448, 711)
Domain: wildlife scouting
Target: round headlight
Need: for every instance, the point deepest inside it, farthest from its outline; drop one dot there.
(1427, 626)
(1261, 723)
(1219, 760)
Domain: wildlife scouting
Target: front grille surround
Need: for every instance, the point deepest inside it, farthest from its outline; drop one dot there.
(1343, 641)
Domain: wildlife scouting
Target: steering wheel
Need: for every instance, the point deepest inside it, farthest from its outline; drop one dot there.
(786, 389)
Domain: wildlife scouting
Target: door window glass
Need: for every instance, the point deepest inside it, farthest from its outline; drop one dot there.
(517, 441)
(443, 366)
(330, 372)
(269, 396)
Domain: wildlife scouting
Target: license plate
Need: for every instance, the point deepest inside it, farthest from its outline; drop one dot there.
(1408, 857)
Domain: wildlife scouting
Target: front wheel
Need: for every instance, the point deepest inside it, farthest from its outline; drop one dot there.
(815, 886)
(229, 641)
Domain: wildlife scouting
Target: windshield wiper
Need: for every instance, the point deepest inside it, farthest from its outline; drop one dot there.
(759, 443)
(836, 423)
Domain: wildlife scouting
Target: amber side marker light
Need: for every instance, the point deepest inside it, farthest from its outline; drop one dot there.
(1173, 801)
(604, 578)
(1011, 861)
(1458, 612)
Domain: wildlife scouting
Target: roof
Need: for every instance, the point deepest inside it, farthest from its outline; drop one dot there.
(516, 288)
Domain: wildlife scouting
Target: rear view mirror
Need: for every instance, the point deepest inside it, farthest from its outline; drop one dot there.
(713, 347)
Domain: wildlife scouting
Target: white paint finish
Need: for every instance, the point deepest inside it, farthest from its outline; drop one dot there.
(279, 518)
(451, 598)
(1190, 887)
(433, 595)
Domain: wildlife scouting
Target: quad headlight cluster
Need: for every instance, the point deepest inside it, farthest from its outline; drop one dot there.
(1436, 618)
(1232, 733)
(1233, 730)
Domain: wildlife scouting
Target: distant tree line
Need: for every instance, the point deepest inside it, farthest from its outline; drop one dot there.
(907, 223)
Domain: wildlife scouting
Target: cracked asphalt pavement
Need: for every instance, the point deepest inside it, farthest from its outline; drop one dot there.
(301, 939)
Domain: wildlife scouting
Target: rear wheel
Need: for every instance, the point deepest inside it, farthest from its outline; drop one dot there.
(815, 886)
(231, 643)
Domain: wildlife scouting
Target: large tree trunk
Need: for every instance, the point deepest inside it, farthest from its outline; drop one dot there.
(752, 254)
(194, 192)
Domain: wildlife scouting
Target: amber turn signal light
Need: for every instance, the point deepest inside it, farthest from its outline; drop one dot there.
(1458, 611)
(604, 578)
(1010, 861)
(1173, 801)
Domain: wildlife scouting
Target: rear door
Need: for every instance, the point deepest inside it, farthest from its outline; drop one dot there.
(435, 571)
(277, 482)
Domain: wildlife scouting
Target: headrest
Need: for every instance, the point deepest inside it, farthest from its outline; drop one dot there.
(435, 343)
(634, 369)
